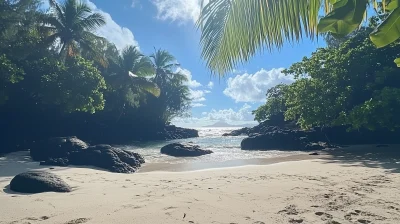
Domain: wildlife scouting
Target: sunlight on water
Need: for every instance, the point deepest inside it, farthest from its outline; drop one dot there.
(225, 148)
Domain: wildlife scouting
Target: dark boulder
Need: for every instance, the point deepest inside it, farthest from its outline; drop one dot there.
(278, 140)
(73, 151)
(172, 132)
(109, 158)
(184, 150)
(58, 147)
(238, 132)
(38, 182)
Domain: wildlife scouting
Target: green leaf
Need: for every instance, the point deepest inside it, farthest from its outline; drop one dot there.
(397, 61)
(146, 85)
(388, 31)
(392, 5)
(345, 17)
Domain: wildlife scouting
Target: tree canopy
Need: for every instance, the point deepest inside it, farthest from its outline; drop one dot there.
(58, 77)
(354, 84)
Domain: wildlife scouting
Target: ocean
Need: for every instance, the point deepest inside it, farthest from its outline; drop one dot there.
(224, 148)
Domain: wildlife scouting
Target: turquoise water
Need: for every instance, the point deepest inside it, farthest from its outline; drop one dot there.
(225, 148)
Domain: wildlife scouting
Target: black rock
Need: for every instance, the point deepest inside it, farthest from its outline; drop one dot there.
(73, 151)
(242, 131)
(170, 132)
(58, 147)
(314, 154)
(184, 150)
(278, 140)
(38, 182)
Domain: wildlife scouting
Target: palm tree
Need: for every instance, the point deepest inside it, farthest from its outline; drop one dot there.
(131, 69)
(174, 95)
(164, 64)
(72, 23)
(129, 72)
(233, 31)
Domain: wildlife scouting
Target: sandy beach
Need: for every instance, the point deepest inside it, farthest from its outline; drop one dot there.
(344, 186)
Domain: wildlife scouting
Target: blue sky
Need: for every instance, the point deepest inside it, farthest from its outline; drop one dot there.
(169, 24)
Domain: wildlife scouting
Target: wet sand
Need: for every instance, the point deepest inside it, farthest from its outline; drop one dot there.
(182, 167)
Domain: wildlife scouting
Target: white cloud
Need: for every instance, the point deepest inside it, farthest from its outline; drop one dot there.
(198, 95)
(253, 87)
(198, 105)
(191, 83)
(231, 116)
(120, 36)
(210, 85)
(178, 10)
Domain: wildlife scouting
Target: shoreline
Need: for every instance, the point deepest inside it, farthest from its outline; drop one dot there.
(203, 166)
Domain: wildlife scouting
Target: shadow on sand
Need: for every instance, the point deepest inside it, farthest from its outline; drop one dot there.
(371, 156)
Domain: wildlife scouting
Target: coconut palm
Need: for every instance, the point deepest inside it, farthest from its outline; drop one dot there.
(131, 69)
(164, 64)
(72, 24)
(233, 31)
(175, 95)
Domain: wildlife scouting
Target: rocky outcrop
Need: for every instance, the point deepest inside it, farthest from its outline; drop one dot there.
(264, 137)
(184, 150)
(65, 151)
(278, 140)
(58, 147)
(238, 132)
(172, 132)
(38, 182)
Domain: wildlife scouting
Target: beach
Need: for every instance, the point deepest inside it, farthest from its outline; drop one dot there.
(363, 188)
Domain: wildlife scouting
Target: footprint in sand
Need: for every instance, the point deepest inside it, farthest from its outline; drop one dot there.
(324, 216)
(289, 210)
(296, 221)
(333, 222)
(78, 221)
(364, 221)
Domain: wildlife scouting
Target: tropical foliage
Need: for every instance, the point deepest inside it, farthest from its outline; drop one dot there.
(233, 31)
(355, 85)
(58, 78)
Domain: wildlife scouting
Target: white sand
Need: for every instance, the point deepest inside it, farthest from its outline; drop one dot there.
(313, 191)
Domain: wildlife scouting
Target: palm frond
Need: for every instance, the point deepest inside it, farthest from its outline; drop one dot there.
(92, 22)
(143, 67)
(129, 57)
(233, 31)
(162, 59)
(57, 10)
(146, 85)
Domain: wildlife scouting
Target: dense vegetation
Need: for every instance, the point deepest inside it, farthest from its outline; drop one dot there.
(349, 83)
(58, 78)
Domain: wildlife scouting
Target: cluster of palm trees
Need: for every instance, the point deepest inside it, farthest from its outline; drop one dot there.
(71, 27)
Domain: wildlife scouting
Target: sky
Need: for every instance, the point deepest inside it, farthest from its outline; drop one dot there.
(170, 25)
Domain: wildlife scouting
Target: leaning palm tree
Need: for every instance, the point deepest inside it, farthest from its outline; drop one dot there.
(72, 24)
(131, 70)
(233, 31)
(128, 78)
